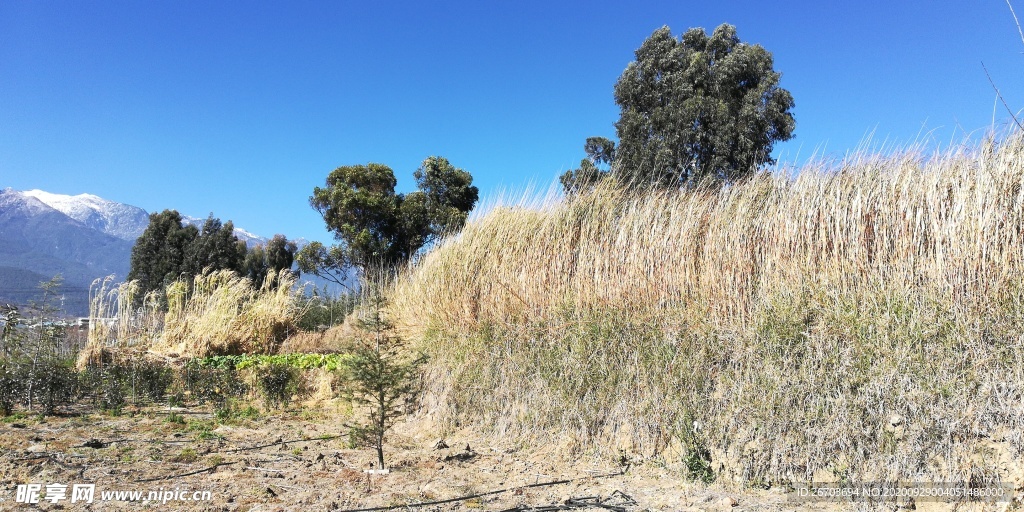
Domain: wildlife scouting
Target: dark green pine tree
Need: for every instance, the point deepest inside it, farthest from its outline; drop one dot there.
(216, 248)
(159, 254)
(277, 256)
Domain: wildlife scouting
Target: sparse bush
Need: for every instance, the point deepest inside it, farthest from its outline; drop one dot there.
(278, 382)
(150, 380)
(216, 385)
(322, 311)
(54, 384)
(231, 411)
(383, 375)
(108, 384)
(696, 458)
(11, 387)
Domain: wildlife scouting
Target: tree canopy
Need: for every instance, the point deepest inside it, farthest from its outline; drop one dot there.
(379, 228)
(696, 107)
(160, 253)
(276, 256)
(595, 167)
(171, 249)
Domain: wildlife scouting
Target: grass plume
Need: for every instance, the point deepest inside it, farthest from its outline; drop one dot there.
(217, 313)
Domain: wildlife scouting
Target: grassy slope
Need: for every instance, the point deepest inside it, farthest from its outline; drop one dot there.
(862, 319)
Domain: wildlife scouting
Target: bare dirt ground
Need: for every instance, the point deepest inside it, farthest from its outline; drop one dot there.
(298, 460)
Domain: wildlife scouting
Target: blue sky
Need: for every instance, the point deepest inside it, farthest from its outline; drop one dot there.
(241, 108)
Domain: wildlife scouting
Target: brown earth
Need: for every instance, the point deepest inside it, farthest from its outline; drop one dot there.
(296, 460)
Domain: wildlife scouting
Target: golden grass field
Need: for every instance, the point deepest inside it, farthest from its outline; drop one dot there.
(853, 319)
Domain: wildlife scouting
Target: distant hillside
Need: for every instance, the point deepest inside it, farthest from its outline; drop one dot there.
(38, 242)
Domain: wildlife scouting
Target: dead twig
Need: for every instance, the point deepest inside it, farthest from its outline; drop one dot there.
(1015, 20)
(1000, 95)
(168, 477)
(489, 493)
(276, 443)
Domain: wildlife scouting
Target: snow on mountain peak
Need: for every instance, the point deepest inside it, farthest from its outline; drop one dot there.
(121, 220)
(117, 219)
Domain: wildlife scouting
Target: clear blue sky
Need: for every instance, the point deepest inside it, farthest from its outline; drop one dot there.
(241, 108)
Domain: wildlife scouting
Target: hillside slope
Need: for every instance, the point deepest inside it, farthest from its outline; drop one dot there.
(858, 320)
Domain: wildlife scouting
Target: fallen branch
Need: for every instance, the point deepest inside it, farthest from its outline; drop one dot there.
(489, 493)
(211, 468)
(276, 443)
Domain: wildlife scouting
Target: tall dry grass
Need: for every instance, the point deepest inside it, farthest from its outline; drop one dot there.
(216, 313)
(860, 318)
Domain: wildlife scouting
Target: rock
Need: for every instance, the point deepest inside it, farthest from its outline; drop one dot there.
(895, 420)
(727, 502)
(37, 448)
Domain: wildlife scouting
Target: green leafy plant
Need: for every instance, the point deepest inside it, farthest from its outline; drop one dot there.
(697, 458)
(330, 362)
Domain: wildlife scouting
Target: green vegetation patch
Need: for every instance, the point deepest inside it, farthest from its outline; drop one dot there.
(330, 362)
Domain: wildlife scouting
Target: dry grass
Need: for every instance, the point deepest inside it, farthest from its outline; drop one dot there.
(857, 319)
(220, 313)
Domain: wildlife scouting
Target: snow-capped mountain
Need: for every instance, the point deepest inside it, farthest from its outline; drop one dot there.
(124, 221)
(38, 242)
(82, 238)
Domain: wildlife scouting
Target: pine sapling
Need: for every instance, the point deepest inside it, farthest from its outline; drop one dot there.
(384, 376)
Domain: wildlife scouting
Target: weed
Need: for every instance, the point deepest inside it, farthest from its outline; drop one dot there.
(187, 455)
(278, 382)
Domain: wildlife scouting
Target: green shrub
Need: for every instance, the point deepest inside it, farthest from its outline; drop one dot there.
(107, 384)
(150, 380)
(697, 458)
(11, 387)
(53, 384)
(208, 384)
(278, 382)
